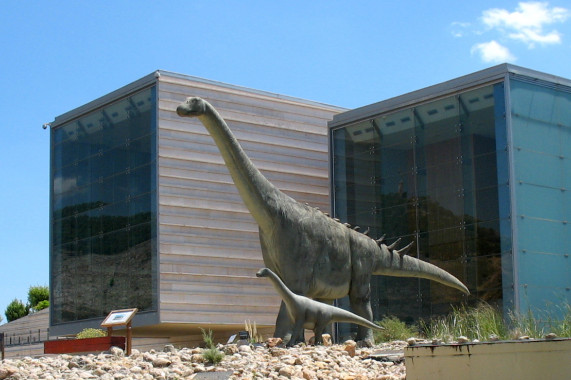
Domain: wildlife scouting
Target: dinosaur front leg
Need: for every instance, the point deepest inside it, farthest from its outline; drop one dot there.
(298, 334)
(328, 328)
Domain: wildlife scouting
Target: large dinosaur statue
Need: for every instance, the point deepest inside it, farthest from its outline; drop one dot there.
(305, 313)
(315, 255)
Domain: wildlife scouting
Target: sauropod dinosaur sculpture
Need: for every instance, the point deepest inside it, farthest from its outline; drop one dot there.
(305, 313)
(314, 255)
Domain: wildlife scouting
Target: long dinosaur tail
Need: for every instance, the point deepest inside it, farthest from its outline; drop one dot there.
(391, 263)
(342, 315)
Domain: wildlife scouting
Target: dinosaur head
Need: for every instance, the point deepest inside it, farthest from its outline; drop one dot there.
(191, 107)
(264, 272)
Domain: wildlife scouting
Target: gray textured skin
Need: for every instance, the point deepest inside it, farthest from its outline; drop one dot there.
(305, 313)
(313, 254)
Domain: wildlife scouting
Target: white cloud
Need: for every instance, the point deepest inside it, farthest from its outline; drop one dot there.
(527, 22)
(493, 52)
(458, 28)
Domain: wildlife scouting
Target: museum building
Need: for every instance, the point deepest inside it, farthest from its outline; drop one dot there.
(476, 172)
(144, 213)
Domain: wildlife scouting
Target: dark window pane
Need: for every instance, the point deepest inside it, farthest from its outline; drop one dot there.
(429, 172)
(103, 169)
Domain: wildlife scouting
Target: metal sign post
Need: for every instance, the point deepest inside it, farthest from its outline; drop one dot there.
(2, 345)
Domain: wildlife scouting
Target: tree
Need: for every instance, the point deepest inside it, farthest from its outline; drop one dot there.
(37, 294)
(42, 305)
(16, 309)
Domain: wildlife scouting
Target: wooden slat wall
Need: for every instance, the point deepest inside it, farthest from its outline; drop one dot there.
(208, 242)
(25, 336)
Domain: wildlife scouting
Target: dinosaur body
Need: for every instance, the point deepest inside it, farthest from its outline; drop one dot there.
(315, 255)
(305, 313)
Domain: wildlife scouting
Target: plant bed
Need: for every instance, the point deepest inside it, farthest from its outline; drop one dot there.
(66, 346)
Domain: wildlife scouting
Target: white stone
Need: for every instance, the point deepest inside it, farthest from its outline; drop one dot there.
(463, 339)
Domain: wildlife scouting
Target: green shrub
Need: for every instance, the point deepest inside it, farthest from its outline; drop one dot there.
(207, 338)
(394, 329)
(212, 354)
(42, 305)
(37, 294)
(15, 310)
(91, 333)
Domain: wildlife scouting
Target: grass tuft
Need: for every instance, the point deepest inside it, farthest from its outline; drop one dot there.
(211, 354)
(484, 321)
(394, 329)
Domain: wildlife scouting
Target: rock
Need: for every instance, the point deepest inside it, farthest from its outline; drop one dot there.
(326, 340)
(523, 337)
(135, 353)
(286, 371)
(7, 371)
(116, 351)
(230, 349)
(494, 338)
(273, 342)
(244, 348)
(289, 360)
(551, 336)
(169, 348)
(148, 357)
(462, 340)
(308, 374)
(161, 362)
(350, 347)
(411, 341)
(302, 362)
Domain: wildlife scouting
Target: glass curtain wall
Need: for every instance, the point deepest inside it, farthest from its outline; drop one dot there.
(541, 128)
(103, 211)
(429, 174)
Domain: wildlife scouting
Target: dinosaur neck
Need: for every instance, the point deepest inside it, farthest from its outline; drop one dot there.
(255, 190)
(286, 294)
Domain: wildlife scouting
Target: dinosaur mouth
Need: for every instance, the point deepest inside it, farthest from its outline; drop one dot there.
(260, 273)
(182, 110)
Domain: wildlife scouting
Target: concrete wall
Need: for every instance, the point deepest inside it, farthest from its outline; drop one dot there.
(499, 360)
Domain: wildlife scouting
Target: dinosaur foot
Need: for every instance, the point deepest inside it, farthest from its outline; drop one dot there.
(365, 343)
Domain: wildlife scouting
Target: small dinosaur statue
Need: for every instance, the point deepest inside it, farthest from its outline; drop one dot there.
(305, 313)
(314, 254)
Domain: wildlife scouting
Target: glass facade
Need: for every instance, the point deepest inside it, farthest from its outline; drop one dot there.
(103, 214)
(541, 129)
(433, 173)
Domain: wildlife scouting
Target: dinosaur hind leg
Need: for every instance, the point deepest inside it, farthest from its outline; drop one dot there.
(284, 326)
(318, 332)
(361, 305)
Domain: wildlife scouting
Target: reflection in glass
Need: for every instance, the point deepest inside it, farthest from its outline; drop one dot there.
(428, 174)
(103, 204)
(541, 123)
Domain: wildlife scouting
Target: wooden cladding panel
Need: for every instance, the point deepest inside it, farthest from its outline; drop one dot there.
(208, 241)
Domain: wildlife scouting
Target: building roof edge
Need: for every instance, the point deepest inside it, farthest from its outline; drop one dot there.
(475, 79)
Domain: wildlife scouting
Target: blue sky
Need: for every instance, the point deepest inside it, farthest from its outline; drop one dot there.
(56, 56)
